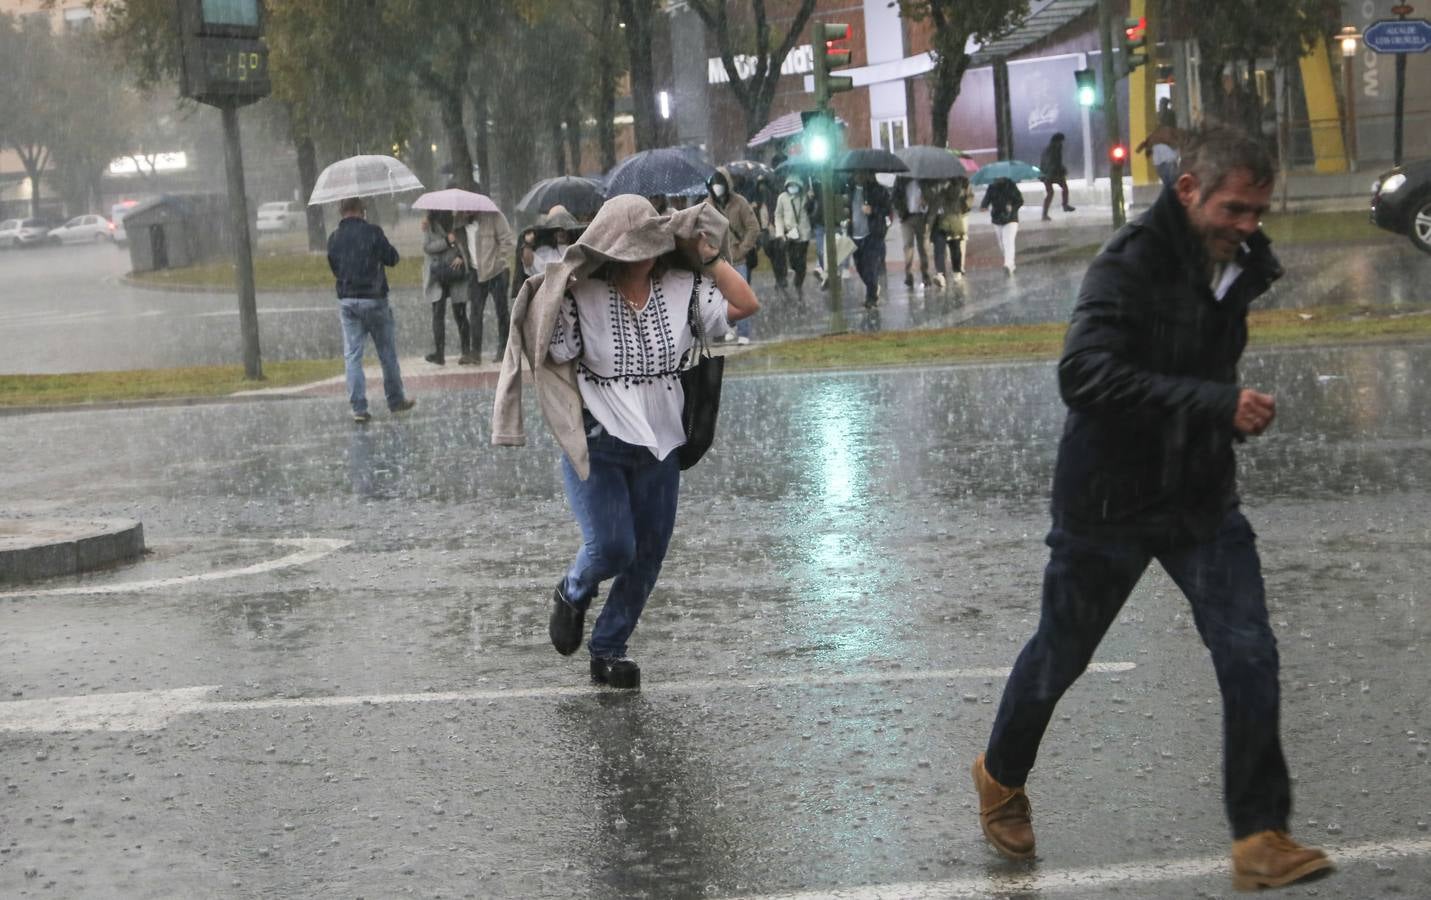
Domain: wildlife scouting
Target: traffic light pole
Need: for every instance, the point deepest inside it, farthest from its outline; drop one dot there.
(243, 246)
(832, 268)
(1110, 107)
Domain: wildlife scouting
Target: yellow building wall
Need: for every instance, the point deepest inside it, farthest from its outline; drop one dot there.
(1322, 112)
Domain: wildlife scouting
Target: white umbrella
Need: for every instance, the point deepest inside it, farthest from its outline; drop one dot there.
(363, 176)
(455, 200)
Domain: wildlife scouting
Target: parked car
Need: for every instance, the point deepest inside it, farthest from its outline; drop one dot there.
(281, 215)
(116, 215)
(24, 232)
(87, 229)
(1401, 202)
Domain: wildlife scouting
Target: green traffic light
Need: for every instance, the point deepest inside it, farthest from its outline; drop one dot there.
(1087, 85)
(819, 148)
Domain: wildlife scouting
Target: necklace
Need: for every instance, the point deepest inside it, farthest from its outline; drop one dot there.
(632, 304)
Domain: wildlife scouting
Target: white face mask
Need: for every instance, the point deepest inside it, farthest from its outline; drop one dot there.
(718, 190)
(792, 190)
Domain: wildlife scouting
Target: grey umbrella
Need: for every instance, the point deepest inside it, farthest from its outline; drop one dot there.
(932, 163)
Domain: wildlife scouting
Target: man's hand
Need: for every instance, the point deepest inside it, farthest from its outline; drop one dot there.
(1255, 411)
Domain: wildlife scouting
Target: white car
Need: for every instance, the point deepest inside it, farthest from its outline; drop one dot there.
(116, 215)
(280, 215)
(9, 232)
(90, 229)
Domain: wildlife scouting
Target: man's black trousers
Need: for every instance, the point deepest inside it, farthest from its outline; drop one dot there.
(1085, 585)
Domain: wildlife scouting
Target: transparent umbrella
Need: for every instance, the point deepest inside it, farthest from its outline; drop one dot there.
(363, 176)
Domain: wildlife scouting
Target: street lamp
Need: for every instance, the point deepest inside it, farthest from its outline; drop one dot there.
(1349, 38)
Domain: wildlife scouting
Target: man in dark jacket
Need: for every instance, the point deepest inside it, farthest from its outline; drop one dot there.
(1146, 471)
(358, 254)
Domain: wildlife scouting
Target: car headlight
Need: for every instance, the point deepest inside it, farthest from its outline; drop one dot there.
(1391, 184)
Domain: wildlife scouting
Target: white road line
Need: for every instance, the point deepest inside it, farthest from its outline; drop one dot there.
(310, 549)
(153, 710)
(1124, 876)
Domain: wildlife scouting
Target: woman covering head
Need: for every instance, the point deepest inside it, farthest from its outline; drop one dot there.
(607, 331)
(544, 243)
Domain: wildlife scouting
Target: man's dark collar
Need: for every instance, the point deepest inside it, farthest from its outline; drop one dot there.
(1168, 219)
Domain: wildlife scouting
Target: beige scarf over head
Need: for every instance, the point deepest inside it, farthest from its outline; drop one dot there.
(626, 229)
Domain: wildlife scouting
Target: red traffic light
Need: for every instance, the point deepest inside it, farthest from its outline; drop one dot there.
(1137, 28)
(1118, 154)
(834, 41)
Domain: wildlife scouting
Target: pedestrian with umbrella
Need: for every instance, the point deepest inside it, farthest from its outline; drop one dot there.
(487, 243)
(949, 228)
(1002, 199)
(358, 255)
(870, 210)
(444, 276)
(581, 197)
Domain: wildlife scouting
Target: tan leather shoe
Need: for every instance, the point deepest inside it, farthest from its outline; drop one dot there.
(1270, 859)
(1004, 814)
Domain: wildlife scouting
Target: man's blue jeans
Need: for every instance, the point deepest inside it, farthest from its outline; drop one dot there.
(1085, 585)
(362, 317)
(626, 510)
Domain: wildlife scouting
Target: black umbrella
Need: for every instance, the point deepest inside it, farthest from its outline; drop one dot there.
(871, 159)
(667, 170)
(749, 168)
(582, 197)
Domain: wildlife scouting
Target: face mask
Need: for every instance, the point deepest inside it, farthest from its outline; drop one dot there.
(792, 190)
(718, 190)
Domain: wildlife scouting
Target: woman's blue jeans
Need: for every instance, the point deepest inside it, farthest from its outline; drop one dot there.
(626, 509)
(1084, 587)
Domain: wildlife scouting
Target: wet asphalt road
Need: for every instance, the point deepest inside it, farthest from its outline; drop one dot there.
(854, 566)
(65, 309)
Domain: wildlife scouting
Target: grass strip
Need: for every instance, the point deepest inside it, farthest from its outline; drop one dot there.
(156, 384)
(1268, 328)
(277, 272)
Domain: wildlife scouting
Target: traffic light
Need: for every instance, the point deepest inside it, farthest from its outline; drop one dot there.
(831, 52)
(1087, 87)
(1118, 154)
(820, 137)
(1135, 43)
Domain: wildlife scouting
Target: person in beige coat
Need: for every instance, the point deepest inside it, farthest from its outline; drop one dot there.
(606, 333)
(744, 231)
(487, 244)
(949, 230)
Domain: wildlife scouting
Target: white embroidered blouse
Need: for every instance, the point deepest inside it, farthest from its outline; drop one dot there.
(629, 361)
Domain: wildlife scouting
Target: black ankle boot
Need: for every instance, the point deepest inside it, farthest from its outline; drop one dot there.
(617, 673)
(566, 624)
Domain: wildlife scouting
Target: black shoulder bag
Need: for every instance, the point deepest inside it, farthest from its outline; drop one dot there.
(701, 383)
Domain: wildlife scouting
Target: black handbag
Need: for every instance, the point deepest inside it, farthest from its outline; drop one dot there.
(442, 270)
(701, 384)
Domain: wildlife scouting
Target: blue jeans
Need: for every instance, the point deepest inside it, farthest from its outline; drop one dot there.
(1085, 585)
(362, 317)
(626, 509)
(742, 328)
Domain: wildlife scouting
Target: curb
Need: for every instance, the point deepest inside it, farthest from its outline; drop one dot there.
(32, 549)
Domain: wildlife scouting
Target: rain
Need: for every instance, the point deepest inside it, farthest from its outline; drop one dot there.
(254, 644)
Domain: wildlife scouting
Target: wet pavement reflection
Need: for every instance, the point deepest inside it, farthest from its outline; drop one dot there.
(855, 563)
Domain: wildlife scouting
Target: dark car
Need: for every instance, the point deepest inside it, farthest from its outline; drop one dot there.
(1401, 202)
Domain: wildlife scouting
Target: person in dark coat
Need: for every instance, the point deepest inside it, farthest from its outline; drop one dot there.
(870, 208)
(1146, 471)
(1054, 173)
(1002, 199)
(359, 255)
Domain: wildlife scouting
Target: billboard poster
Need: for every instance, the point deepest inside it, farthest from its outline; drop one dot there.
(1042, 101)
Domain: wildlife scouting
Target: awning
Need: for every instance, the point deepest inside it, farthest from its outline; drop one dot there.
(780, 127)
(1044, 19)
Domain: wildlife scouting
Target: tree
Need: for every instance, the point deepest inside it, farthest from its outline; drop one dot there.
(753, 93)
(955, 22)
(638, 24)
(1234, 32)
(97, 123)
(29, 61)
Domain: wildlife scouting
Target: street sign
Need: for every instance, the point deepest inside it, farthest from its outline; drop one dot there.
(1398, 36)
